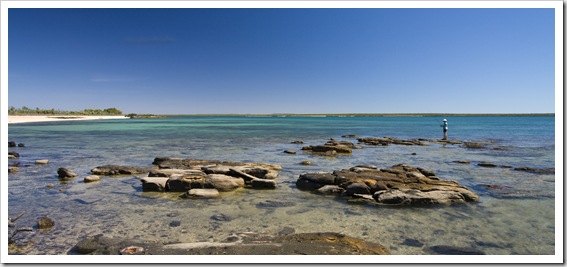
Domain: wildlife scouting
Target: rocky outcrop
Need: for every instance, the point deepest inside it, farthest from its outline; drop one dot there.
(117, 170)
(238, 244)
(400, 185)
(384, 141)
(184, 175)
(332, 148)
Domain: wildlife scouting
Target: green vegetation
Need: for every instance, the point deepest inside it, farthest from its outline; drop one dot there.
(144, 116)
(37, 111)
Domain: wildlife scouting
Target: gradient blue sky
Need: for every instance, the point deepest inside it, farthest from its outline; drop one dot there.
(211, 61)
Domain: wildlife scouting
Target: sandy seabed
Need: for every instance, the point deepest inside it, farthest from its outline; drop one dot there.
(24, 119)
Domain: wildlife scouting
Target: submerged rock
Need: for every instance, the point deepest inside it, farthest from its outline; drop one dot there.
(399, 185)
(202, 193)
(45, 223)
(536, 170)
(286, 243)
(452, 250)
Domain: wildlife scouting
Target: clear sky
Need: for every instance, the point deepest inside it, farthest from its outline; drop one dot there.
(207, 61)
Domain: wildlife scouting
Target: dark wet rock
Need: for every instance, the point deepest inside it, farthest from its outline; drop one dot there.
(337, 148)
(287, 243)
(462, 161)
(306, 162)
(452, 250)
(91, 178)
(400, 185)
(174, 223)
(221, 217)
(45, 223)
(21, 145)
(117, 170)
(275, 204)
(297, 142)
(154, 184)
(536, 170)
(13, 169)
(14, 154)
(312, 181)
(65, 173)
(263, 183)
(185, 183)
(412, 242)
(357, 188)
(350, 136)
(11, 144)
(289, 151)
(487, 164)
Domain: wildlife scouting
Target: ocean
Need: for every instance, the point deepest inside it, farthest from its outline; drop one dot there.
(517, 221)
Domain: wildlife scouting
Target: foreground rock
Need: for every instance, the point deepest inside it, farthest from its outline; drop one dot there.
(239, 244)
(184, 175)
(399, 185)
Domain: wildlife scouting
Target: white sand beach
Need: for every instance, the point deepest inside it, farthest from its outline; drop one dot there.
(25, 119)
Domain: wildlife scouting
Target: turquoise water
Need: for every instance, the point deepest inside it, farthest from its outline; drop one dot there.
(116, 206)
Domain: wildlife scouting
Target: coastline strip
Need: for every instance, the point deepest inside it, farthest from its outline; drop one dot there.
(28, 119)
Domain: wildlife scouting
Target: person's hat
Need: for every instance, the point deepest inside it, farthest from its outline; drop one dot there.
(444, 119)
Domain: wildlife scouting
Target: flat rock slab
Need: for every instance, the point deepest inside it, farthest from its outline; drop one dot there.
(239, 244)
(397, 185)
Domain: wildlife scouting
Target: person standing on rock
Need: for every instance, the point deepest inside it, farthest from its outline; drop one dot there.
(445, 127)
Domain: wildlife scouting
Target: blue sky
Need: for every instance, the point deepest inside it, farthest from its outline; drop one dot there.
(217, 61)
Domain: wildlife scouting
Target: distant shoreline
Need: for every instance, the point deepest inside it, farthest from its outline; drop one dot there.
(16, 119)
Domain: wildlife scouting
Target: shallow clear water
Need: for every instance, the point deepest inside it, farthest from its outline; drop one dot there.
(117, 206)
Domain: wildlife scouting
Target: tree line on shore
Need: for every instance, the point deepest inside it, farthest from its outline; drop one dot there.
(37, 111)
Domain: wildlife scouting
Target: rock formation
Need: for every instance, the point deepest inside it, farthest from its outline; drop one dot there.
(187, 175)
(399, 184)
